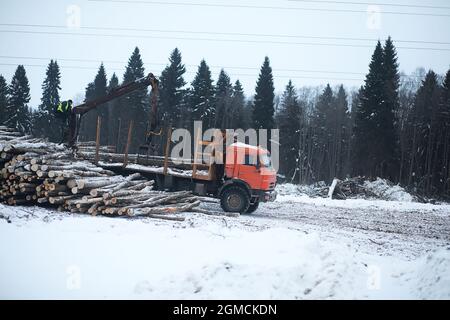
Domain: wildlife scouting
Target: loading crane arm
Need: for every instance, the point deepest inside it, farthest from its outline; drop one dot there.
(78, 111)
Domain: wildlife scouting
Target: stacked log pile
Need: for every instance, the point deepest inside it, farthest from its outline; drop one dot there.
(34, 171)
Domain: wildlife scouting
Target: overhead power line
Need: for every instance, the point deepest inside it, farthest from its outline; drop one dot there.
(164, 64)
(237, 75)
(219, 33)
(244, 6)
(373, 3)
(214, 39)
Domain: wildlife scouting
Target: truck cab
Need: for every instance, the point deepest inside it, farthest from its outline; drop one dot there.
(249, 178)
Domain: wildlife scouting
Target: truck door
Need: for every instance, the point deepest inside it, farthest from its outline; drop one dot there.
(249, 172)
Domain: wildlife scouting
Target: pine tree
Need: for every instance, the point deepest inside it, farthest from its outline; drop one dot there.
(94, 90)
(387, 120)
(101, 89)
(223, 101)
(444, 116)
(368, 146)
(18, 113)
(3, 99)
(322, 135)
(241, 118)
(202, 96)
(171, 89)
(263, 108)
(114, 111)
(342, 134)
(135, 105)
(45, 123)
(289, 120)
(424, 130)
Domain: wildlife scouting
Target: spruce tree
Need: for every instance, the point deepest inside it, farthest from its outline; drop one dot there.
(424, 132)
(289, 122)
(171, 89)
(241, 119)
(387, 120)
(444, 116)
(88, 121)
(45, 123)
(114, 111)
(202, 96)
(94, 90)
(263, 108)
(222, 100)
(341, 134)
(101, 89)
(322, 135)
(368, 145)
(3, 99)
(18, 113)
(135, 105)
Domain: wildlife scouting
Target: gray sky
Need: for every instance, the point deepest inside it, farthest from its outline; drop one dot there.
(302, 45)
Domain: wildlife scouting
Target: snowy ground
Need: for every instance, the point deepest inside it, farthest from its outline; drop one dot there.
(295, 248)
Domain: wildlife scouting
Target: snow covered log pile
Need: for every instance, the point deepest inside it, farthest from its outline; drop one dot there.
(361, 187)
(34, 171)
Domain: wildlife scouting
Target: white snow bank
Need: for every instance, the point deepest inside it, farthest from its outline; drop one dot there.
(296, 189)
(364, 204)
(433, 275)
(51, 255)
(388, 191)
(251, 265)
(85, 257)
(394, 198)
(383, 189)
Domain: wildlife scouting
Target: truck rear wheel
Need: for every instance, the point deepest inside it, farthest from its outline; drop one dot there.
(253, 207)
(235, 199)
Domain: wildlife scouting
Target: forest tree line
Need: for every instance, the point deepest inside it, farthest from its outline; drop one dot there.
(394, 126)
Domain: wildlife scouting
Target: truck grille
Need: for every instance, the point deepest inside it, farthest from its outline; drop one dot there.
(272, 186)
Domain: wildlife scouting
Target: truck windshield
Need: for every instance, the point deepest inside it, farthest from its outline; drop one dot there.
(265, 160)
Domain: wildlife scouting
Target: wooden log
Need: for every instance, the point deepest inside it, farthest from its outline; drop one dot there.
(216, 213)
(93, 208)
(59, 199)
(42, 200)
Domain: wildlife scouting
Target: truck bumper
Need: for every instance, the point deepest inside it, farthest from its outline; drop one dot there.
(265, 196)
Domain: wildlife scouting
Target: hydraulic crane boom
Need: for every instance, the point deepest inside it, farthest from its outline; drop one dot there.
(78, 111)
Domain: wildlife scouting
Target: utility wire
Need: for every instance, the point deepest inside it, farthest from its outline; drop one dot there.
(189, 65)
(217, 33)
(214, 39)
(372, 3)
(197, 4)
(190, 72)
(164, 64)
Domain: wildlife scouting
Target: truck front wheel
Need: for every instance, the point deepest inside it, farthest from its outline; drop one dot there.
(235, 199)
(253, 207)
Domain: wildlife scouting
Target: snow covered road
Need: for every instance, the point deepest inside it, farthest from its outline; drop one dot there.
(295, 248)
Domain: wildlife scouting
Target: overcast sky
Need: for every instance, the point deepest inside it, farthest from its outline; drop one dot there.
(312, 42)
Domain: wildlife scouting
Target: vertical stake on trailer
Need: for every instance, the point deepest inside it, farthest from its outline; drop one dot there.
(97, 140)
(118, 134)
(196, 152)
(130, 129)
(166, 155)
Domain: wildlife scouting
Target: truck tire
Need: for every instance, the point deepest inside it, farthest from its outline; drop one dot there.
(235, 199)
(253, 207)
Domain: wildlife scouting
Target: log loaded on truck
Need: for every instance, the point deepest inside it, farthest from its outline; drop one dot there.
(241, 181)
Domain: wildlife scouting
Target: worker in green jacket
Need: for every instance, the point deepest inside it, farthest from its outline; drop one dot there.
(62, 111)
